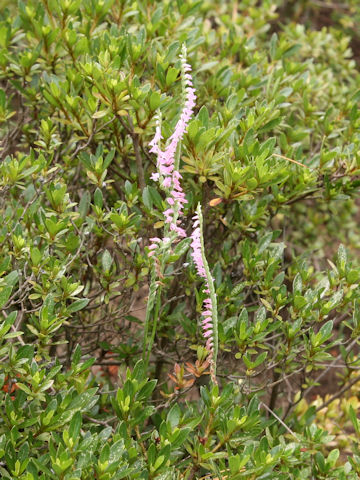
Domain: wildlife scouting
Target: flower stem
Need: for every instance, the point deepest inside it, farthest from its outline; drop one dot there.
(153, 306)
(153, 288)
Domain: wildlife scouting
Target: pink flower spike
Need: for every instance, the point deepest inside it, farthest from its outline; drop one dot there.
(166, 160)
(209, 311)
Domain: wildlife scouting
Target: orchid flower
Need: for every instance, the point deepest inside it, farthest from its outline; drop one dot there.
(209, 322)
(168, 174)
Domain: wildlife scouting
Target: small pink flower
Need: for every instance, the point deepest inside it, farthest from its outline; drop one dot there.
(155, 176)
(209, 344)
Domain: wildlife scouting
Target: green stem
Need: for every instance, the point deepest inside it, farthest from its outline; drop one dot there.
(154, 299)
(154, 326)
(150, 303)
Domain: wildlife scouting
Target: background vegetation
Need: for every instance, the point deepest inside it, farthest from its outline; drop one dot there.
(272, 155)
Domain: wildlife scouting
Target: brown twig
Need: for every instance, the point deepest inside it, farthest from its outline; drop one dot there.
(290, 160)
(288, 429)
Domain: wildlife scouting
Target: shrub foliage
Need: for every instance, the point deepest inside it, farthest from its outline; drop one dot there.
(272, 155)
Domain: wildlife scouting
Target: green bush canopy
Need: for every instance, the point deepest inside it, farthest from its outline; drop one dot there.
(179, 271)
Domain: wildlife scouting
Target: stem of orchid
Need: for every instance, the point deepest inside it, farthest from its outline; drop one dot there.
(154, 326)
(154, 298)
(149, 307)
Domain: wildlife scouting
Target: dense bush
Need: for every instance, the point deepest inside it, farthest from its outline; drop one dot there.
(105, 372)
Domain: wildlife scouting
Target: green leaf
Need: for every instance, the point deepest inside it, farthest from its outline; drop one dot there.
(146, 390)
(273, 43)
(234, 463)
(333, 457)
(158, 462)
(324, 333)
(78, 305)
(260, 359)
(98, 198)
(84, 204)
(291, 51)
(354, 419)
(6, 325)
(264, 242)
(171, 75)
(104, 454)
(270, 125)
(342, 258)
(180, 438)
(75, 425)
(12, 278)
(5, 293)
(100, 114)
(174, 415)
(146, 198)
(155, 100)
(106, 261)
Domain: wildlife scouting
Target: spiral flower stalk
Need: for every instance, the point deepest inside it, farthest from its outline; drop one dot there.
(168, 160)
(209, 313)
